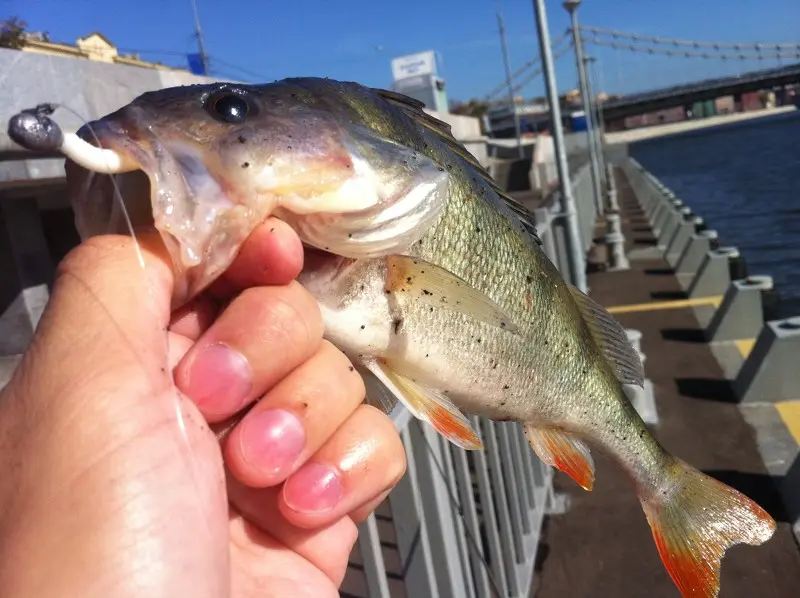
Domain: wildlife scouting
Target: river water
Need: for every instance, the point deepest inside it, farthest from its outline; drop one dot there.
(744, 180)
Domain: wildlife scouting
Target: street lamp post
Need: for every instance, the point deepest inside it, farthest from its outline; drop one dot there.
(574, 248)
(572, 9)
(512, 105)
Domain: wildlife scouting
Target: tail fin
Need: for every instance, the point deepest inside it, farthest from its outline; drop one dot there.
(695, 521)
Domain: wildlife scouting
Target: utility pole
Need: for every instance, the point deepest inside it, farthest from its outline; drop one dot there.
(596, 115)
(572, 9)
(511, 104)
(575, 255)
(199, 33)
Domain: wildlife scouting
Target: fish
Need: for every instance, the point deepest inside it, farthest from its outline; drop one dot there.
(429, 277)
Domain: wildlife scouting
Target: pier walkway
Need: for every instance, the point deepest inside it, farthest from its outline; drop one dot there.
(602, 546)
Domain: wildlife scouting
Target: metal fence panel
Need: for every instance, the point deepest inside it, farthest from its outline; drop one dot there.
(438, 512)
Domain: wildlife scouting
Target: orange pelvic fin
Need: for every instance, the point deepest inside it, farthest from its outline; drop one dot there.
(694, 520)
(429, 405)
(563, 451)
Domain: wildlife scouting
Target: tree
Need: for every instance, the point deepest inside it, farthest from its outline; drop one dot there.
(476, 108)
(12, 33)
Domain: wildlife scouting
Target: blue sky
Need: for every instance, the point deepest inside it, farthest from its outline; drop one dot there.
(263, 40)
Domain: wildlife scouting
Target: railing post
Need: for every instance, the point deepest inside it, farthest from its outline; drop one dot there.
(576, 258)
(372, 555)
(412, 533)
(615, 241)
(437, 510)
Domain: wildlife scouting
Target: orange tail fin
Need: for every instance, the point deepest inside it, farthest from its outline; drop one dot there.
(695, 521)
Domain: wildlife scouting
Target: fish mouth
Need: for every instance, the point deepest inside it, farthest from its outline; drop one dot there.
(200, 219)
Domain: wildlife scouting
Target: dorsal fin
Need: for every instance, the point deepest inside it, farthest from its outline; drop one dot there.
(413, 108)
(611, 338)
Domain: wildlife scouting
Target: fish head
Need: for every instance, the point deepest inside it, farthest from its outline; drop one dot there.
(220, 158)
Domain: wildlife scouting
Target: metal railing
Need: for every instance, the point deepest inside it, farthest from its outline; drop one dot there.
(465, 524)
(550, 223)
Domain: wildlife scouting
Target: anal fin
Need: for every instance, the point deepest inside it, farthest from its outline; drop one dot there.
(563, 451)
(428, 405)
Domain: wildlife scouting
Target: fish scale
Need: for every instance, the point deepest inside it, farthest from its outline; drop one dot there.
(428, 276)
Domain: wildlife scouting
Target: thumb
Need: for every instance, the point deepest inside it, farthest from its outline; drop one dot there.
(106, 319)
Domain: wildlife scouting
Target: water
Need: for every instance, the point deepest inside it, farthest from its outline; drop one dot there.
(744, 180)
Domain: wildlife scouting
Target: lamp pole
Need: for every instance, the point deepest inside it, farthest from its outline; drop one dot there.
(574, 248)
(572, 9)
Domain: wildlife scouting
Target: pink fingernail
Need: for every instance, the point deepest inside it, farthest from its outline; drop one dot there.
(219, 380)
(315, 488)
(271, 441)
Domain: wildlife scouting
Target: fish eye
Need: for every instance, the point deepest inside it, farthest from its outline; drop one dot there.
(228, 107)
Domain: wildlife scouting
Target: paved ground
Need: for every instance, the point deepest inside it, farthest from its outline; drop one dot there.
(603, 547)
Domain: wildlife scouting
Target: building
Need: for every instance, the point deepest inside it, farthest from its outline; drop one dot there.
(415, 76)
(94, 46)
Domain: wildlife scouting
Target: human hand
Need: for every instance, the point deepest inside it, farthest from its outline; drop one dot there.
(113, 481)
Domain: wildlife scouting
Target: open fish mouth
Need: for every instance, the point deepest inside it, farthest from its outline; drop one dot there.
(168, 186)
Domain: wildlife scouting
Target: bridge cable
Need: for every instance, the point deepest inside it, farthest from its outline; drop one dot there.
(757, 46)
(531, 63)
(690, 53)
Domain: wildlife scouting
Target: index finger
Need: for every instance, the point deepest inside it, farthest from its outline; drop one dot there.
(271, 255)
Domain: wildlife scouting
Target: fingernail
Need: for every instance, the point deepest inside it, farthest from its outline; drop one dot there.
(271, 441)
(219, 380)
(315, 488)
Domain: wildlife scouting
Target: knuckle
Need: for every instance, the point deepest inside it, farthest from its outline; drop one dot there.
(396, 462)
(343, 369)
(271, 314)
(97, 258)
(293, 325)
(390, 455)
(87, 252)
(306, 303)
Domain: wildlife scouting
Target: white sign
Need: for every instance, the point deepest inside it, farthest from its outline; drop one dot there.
(410, 83)
(414, 65)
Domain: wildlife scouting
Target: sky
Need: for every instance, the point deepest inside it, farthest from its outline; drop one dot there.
(264, 40)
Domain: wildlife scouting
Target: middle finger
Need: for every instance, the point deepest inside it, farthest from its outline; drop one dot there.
(261, 336)
(294, 419)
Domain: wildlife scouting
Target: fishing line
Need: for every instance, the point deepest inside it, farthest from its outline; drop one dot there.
(33, 129)
(117, 191)
(455, 503)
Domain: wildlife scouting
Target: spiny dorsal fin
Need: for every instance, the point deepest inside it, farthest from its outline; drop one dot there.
(413, 108)
(524, 214)
(611, 338)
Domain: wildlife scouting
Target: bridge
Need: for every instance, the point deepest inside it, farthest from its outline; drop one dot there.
(686, 94)
(757, 67)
